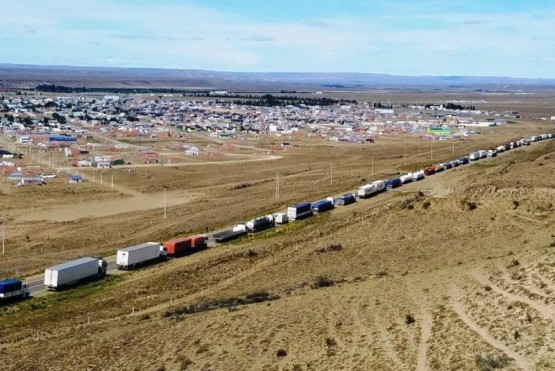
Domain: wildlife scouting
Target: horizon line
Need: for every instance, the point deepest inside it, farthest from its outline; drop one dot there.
(2, 64)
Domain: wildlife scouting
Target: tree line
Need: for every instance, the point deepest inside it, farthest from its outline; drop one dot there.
(453, 106)
(269, 100)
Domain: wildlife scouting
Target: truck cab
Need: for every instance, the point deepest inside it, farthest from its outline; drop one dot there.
(102, 267)
(13, 289)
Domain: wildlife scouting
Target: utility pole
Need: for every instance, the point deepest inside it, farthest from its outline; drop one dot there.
(453, 146)
(372, 165)
(3, 235)
(165, 207)
(277, 185)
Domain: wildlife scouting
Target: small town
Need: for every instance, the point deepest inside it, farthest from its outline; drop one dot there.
(109, 130)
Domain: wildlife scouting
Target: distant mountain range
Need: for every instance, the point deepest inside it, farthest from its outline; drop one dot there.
(29, 76)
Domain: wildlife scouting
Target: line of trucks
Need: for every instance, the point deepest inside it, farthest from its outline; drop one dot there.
(93, 268)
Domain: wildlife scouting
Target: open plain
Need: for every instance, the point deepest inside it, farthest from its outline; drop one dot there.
(456, 272)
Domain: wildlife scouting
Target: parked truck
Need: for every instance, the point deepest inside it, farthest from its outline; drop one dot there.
(393, 183)
(430, 170)
(323, 205)
(260, 224)
(369, 190)
(474, 156)
(419, 175)
(407, 178)
(230, 234)
(464, 160)
(12, 289)
(72, 272)
(299, 211)
(281, 218)
(380, 185)
(346, 199)
(185, 245)
(134, 256)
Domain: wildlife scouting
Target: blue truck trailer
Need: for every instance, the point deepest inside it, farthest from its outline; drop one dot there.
(323, 205)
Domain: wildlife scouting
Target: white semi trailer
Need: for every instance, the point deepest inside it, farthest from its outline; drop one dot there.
(74, 271)
(145, 253)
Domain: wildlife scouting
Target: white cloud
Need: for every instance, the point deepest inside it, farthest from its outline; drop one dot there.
(404, 39)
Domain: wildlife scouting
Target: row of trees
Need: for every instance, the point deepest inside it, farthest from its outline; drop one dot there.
(269, 100)
(383, 105)
(453, 106)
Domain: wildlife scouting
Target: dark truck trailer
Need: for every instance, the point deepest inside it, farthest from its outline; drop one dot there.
(260, 224)
(323, 205)
(393, 183)
(230, 234)
(346, 199)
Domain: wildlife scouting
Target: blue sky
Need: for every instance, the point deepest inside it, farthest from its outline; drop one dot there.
(428, 37)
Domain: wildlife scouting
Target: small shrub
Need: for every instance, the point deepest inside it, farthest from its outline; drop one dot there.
(185, 363)
(202, 349)
(335, 247)
(488, 362)
(252, 253)
(409, 319)
(487, 288)
(330, 248)
(281, 353)
(552, 244)
(330, 342)
(514, 263)
(426, 204)
(144, 317)
(323, 281)
(516, 204)
(382, 274)
(242, 185)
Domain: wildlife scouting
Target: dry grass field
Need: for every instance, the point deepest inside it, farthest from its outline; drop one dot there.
(452, 273)
(60, 221)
